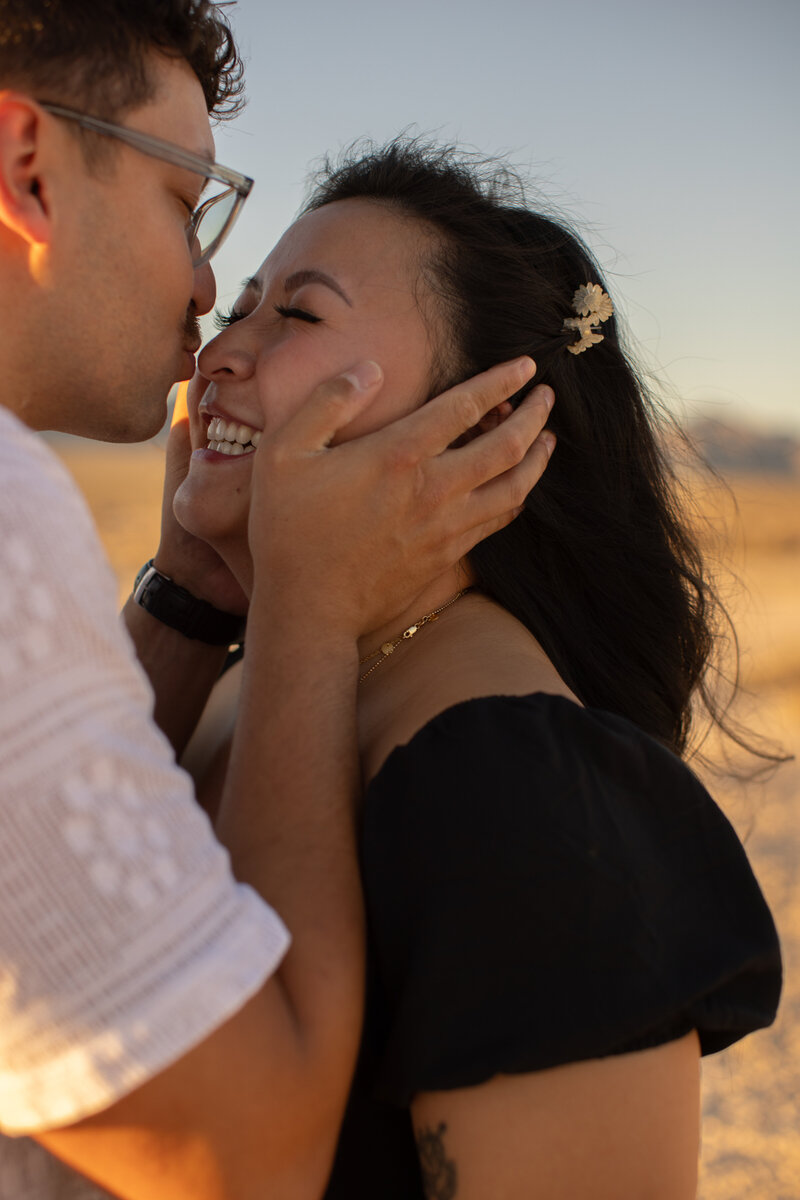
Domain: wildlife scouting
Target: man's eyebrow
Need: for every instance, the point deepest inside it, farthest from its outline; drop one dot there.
(313, 276)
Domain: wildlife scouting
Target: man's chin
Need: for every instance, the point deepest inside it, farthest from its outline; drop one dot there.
(118, 433)
(144, 430)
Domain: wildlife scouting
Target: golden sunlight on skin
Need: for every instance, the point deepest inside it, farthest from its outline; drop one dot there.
(180, 411)
(39, 265)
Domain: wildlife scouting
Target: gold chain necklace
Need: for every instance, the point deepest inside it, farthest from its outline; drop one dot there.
(389, 647)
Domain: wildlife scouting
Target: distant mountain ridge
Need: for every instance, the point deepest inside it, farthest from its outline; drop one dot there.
(730, 447)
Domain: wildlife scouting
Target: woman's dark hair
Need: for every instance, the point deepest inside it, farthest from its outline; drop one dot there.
(93, 56)
(600, 566)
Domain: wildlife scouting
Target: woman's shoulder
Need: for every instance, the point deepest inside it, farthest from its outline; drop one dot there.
(543, 780)
(542, 744)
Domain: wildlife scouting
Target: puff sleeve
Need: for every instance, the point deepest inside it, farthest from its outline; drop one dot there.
(546, 884)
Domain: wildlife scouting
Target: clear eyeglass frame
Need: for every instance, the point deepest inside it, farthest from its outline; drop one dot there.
(211, 221)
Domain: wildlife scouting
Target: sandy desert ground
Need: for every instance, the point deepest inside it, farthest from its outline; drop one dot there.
(751, 1133)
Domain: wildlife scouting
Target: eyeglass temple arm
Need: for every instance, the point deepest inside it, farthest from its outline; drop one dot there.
(156, 147)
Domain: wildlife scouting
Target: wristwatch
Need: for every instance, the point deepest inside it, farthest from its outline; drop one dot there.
(174, 606)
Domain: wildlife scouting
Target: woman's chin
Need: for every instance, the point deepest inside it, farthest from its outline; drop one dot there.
(204, 519)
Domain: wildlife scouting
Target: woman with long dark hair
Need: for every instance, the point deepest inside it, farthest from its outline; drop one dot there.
(561, 920)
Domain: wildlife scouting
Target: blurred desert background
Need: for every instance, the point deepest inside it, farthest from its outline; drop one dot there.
(751, 1132)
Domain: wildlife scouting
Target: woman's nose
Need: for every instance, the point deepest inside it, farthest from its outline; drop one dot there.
(227, 356)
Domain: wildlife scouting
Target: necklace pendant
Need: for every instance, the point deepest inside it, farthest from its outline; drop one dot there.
(389, 647)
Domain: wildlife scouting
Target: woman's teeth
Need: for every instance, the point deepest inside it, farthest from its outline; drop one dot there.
(229, 437)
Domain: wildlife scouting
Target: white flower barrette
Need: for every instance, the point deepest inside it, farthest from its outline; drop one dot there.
(592, 306)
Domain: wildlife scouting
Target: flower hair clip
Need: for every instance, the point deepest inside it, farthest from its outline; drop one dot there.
(592, 306)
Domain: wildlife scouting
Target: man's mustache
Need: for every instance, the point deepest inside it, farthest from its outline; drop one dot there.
(191, 327)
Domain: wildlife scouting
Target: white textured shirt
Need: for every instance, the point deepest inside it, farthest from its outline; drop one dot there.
(124, 938)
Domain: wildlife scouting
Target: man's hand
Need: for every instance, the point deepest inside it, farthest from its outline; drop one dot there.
(356, 530)
(183, 557)
(181, 670)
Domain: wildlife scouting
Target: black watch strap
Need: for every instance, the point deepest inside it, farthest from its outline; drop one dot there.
(174, 606)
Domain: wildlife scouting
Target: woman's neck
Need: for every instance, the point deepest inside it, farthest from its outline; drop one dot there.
(433, 599)
(474, 649)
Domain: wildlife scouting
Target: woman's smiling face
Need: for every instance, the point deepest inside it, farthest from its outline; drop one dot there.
(344, 284)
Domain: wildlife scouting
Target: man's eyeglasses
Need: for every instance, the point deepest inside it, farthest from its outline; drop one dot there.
(212, 221)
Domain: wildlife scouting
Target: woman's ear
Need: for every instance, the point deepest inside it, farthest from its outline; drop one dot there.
(23, 206)
(489, 421)
(494, 417)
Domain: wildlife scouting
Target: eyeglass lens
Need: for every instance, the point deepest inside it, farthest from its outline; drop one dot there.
(211, 225)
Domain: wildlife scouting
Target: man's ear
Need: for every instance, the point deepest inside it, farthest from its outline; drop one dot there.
(24, 208)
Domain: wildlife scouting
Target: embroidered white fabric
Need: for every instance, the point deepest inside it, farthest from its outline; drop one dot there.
(124, 938)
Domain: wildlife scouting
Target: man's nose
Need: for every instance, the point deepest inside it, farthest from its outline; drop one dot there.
(204, 292)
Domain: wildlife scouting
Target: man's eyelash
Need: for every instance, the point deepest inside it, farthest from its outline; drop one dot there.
(299, 314)
(223, 320)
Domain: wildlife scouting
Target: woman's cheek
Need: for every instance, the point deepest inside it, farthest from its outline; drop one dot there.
(283, 378)
(290, 379)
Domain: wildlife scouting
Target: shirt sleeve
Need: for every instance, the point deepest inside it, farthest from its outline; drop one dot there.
(124, 938)
(546, 885)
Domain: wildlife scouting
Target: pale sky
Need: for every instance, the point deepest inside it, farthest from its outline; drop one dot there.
(666, 131)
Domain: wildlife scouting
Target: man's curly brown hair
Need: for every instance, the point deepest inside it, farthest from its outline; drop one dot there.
(93, 54)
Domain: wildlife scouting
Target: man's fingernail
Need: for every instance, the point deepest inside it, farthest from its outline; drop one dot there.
(365, 375)
(548, 395)
(527, 365)
(549, 440)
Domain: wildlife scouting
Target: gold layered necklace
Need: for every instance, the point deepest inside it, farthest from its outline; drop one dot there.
(389, 647)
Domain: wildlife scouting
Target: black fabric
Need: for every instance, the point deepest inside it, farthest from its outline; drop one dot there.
(545, 884)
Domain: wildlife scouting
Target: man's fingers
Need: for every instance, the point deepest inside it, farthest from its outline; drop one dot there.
(494, 453)
(179, 443)
(191, 390)
(331, 406)
(435, 426)
(497, 502)
(180, 412)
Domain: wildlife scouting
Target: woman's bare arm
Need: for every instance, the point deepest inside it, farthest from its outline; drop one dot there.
(625, 1126)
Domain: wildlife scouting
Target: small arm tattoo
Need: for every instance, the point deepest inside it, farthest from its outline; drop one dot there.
(439, 1175)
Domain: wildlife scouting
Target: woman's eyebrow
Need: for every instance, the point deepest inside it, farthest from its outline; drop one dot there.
(312, 276)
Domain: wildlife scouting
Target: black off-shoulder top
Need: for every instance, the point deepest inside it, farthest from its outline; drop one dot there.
(545, 884)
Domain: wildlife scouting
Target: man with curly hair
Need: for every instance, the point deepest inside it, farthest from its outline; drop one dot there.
(158, 1032)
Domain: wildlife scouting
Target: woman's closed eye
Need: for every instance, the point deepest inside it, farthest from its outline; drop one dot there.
(300, 314)
(223, 320)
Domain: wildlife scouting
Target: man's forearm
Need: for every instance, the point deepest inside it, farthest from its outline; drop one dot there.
(256, 1107)
(181, 670)
(288, 816)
